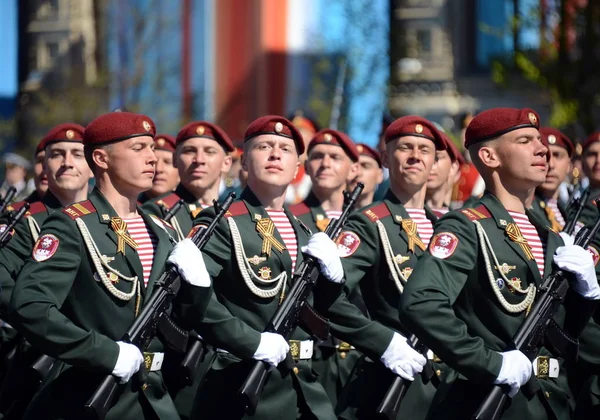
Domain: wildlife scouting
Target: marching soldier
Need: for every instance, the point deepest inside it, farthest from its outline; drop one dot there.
(166, 177)
(92, 268)
(251, 260)
(591, 169)
(546, 200)
(300, 185)
(332, 160)
(39, 175)
(444, 175)
(201, 156)
(471, 291)
(379, 246)
(370, 173)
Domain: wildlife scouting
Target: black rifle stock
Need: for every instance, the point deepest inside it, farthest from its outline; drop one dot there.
(173, 210)
(10, 194)
(14, 219)
(530, 334)
(153, 315)
(286, 318)
(578, 204)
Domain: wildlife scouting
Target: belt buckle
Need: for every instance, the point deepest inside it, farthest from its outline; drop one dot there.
(343, 346)
(543, 367)
(148, 359)
(295, 349)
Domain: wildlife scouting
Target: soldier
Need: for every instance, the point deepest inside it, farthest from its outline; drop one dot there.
(251, 260)
(379, 246)
(332, 160)
(546, 200)
(300, 185)
(370, 173)
(471, 291)
(92, 268)
(591, 169)
(40, 181)
(444, 175)
(166, 177)
(201, 157)
(15, 172)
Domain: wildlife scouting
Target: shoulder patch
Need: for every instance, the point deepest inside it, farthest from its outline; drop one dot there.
(45, 247)
(377, 212)
(477, 213)
(194, 230)
(299, 209)
(168, 201)
(347, 243)
(36, 207)
(16, 206)
(237, 209)
(3, 228)
(75, 211)
(595, 254)
(443, 245)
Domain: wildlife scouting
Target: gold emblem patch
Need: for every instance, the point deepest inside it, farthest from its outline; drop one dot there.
(419, 128)
(200, 130)
(278, 127)
(70, 134)
(264, 273)
(160, 142)
(359, 148)
(532, 118)
(327, 137)
(551, 139)
(146, 125)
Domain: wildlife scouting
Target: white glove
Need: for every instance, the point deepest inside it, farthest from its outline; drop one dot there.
(128, 362)
(578, 261)
(272, 348)
(189, 262)
(402, 359)
(324, 249)
(515, 371)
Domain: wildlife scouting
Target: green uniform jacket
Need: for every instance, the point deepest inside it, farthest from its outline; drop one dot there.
(366, 267)
(18, 248)
(183, 219)
(538, 206)
(236, 316)
(453, 309)
(63, 309)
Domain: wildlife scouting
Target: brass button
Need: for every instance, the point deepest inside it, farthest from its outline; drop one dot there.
(343, 354)
(547, 394)
(296, 370)
(144, 387)
(438, 372)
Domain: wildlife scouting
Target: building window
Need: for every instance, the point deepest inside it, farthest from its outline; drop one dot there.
(424, 41)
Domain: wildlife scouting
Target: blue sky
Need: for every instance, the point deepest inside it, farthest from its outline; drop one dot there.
(8, 48)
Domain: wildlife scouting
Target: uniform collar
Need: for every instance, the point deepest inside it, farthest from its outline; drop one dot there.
(51, 202)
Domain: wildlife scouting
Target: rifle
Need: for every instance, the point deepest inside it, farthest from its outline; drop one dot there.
(578, 204)
(10, 194)
(6, 234)
(287, 317)
(173, 210)
(154, 319)
(530, 334)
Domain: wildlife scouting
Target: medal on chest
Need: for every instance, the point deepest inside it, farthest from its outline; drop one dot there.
(119, 226)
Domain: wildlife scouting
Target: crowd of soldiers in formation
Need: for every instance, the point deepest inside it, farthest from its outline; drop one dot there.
(432, 294)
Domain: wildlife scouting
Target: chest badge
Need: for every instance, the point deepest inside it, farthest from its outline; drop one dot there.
(400, 259)
(504, 268)
(265, 273)
(266, 227)
(256, 260)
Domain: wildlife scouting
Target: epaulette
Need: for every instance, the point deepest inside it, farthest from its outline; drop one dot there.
(18, 205)
(478, 213)
(377, 212)
(75, 211)
(161, 221)
(237, 209)
(299, 209)
(168, 201)
(36, 207)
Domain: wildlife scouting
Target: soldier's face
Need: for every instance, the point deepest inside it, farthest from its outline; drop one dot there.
(329, 167)
(270, 160)
(201, 162)
(440, 171)
(66, 167)
(559, 168)
(409, 159)
(591, 163)
(521, 158)
(40, 179)
(369, 173)
(131, 164)
(166, 177)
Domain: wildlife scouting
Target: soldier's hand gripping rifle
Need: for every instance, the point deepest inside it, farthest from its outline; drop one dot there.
(10, 194)
(531, 334)
(154, 319)
(288, 314)
(6, 234)
(574, 209)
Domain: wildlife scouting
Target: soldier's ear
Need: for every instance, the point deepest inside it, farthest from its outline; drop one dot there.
(488, 156)
(226, 165)
(384, 159)
(100, 158)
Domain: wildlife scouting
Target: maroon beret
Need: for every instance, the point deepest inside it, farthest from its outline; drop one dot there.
(275, 125)
(552, 136)
(70, 132)
(204, 129)
(413, 125)
(300, 121)
(453, 152)
(337, 138)
(365, 150)
(117, 126)
(495, 122)
(591, 139)
(165, 142)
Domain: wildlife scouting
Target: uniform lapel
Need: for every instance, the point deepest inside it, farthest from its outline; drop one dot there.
(163, 248)
(398, 213)
(319, 215)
